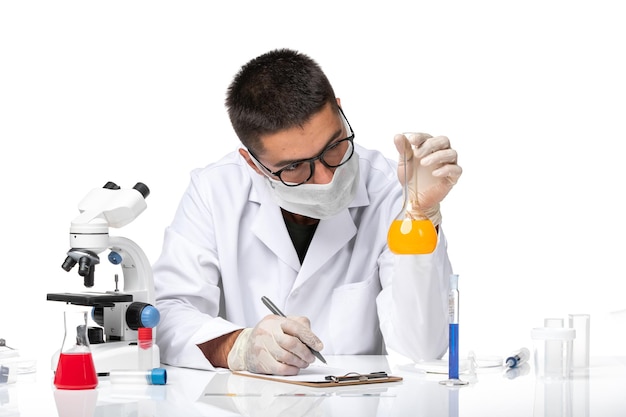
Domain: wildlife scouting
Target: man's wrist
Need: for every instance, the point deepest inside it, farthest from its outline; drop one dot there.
(216, 350)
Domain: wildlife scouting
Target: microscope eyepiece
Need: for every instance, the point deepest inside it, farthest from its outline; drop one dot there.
(142, 188)
(111, 186)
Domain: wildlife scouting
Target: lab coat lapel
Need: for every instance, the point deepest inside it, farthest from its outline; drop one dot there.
(330, 237)
(269, 227)
(331, 234)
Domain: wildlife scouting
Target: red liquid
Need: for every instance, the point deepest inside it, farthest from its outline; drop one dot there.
(75, 371)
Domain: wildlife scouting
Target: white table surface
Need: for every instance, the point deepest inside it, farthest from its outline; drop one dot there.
(600, 393)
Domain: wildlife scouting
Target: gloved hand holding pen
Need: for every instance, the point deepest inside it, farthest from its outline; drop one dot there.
(437, 169)
(276, 345)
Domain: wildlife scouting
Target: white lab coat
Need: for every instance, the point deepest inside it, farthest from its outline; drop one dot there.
(228, 246)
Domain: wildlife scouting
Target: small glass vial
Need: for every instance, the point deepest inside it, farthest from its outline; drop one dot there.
(156, 376)
(146, 348)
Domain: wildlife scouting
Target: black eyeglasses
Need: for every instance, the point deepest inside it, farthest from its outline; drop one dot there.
(334, 155)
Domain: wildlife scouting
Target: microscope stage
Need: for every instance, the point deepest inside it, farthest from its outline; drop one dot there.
(100, 299)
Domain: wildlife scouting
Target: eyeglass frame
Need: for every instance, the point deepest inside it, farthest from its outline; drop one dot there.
(311, 161)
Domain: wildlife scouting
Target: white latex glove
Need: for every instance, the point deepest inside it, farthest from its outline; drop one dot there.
(276, 346)
(437, 170)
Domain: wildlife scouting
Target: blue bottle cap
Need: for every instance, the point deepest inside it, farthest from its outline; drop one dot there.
(158, 376)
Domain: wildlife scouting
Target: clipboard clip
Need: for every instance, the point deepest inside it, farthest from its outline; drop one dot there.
(355, 376)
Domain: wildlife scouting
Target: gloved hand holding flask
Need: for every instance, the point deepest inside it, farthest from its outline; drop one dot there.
(437, 170)
(427, 169)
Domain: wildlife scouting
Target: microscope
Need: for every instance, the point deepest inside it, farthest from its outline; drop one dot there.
(119, 314)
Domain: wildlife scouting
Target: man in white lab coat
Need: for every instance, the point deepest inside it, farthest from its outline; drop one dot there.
(300, 215)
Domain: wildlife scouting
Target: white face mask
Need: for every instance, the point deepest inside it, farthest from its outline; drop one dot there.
(319, 201)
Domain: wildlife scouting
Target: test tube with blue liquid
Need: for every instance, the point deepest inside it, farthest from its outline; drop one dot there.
(453, 345)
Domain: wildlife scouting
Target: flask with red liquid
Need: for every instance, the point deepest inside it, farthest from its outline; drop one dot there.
(75, 369)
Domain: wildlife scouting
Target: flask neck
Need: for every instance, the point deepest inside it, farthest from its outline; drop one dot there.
(75, 339)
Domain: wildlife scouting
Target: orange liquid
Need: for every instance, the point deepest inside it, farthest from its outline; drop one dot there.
(75, 371)
(419, 238)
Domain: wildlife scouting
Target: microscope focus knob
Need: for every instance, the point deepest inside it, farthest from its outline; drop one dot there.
(141, 314)
(95, 335)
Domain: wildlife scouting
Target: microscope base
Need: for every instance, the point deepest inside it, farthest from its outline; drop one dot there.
(114, 355)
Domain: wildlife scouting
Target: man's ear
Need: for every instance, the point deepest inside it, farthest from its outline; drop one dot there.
(245, 155)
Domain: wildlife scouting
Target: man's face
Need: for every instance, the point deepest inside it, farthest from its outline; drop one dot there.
(300, 143)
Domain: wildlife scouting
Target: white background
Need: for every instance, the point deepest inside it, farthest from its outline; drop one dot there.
(531, 95)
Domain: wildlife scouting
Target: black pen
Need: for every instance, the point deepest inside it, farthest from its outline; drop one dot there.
(276, 311)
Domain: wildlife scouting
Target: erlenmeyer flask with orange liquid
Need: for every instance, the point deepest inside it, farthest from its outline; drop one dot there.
(412, 232)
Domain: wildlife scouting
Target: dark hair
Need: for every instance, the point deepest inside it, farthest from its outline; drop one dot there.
(275, 91)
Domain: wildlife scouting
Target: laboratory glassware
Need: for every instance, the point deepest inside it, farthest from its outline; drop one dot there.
(580, 323)
(453, 336)
(156, 376)
(411, 232)
(553, 352)
(75, 369)
(145, 346)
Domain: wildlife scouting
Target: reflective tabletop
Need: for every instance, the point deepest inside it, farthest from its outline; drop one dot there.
(188, 392)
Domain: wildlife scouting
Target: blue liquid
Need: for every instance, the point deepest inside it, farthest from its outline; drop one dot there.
(453, 352)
